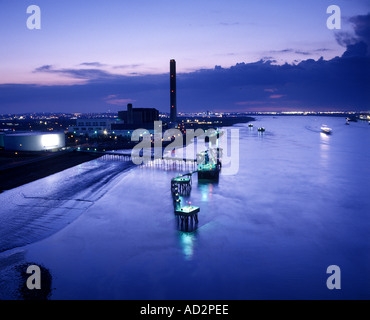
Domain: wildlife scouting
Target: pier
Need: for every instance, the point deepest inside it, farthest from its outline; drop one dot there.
(166, 162)
(207, 165)
(186, 215)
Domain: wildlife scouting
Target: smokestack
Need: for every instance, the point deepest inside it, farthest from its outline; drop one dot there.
(173, 108)
(130, 116)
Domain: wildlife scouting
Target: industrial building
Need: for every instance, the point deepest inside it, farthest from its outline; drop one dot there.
(32, 141)
(135, 118)
(91, 126)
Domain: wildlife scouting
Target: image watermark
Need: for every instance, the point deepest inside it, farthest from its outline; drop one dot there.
(334, 280)
(202, 146)
(334, 20)
(34, 280)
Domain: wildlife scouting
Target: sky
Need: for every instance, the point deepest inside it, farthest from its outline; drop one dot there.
(234, 55)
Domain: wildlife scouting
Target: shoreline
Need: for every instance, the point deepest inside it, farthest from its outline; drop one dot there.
(25, 173)
(16, 175)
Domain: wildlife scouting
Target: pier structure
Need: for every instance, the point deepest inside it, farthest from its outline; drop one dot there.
(209, 161)
(209, 164)
(188, 214)
(167, 162)
(182, 183)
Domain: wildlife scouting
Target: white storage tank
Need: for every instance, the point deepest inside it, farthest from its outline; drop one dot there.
(33, 141)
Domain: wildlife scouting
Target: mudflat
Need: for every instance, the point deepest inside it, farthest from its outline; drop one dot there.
(24, 173)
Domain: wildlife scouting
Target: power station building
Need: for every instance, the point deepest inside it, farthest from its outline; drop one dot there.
(135, 118)
(32, 141)
(138, 116)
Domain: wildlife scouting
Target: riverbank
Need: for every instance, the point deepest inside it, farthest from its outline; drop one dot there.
(24, 173)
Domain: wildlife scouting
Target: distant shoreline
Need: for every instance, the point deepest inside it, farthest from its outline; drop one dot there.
(34, 169)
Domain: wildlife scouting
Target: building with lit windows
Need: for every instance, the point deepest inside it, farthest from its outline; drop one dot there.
(93, 126)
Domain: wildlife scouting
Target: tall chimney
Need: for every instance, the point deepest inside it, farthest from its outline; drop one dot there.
(173, 108)
(130, 116)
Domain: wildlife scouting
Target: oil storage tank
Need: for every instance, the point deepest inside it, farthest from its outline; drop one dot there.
(34, 141)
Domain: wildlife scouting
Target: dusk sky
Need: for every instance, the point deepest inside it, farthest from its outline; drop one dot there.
(235, 55)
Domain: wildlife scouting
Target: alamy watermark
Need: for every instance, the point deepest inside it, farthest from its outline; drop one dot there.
(34, 280)
(34, 18)
(334, 20)
(334, 280)
(220, 145)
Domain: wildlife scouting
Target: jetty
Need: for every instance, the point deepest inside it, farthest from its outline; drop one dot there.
(187, 214)
(207, 165)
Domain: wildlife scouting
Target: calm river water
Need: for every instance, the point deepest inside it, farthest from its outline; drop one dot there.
(299, 203)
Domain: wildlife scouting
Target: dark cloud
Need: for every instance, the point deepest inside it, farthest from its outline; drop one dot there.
(361, 26)
(305, 53)
(127, 66)
(92, 64)
(45, 68)
(322, 50)
(289, 50)
(282, 51)
(227, 24)
(85, 74)
(345, 39)
(341, 83)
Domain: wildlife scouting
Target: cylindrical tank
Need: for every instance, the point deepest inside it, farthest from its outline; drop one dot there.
(34, 141)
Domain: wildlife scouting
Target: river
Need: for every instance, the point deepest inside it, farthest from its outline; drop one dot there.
(298, 204)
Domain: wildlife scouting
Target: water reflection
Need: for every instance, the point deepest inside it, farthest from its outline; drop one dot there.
(206, 189)
(324, 149)
(187, 242)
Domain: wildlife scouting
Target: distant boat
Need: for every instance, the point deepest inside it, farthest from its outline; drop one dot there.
(250, 125)
(261, 129)
(326, 129)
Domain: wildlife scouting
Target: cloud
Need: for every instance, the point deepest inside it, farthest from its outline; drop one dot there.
(228, 24)
(359, 41)
(290, 50)
(361, 26)
(322, 50)
(305, 53)
(120, 102)
(45, 68)
(276, 96)
(85, 74)
(92, 64)
(345, 39)
(114, 99)
(341, 83)
(127, 66)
